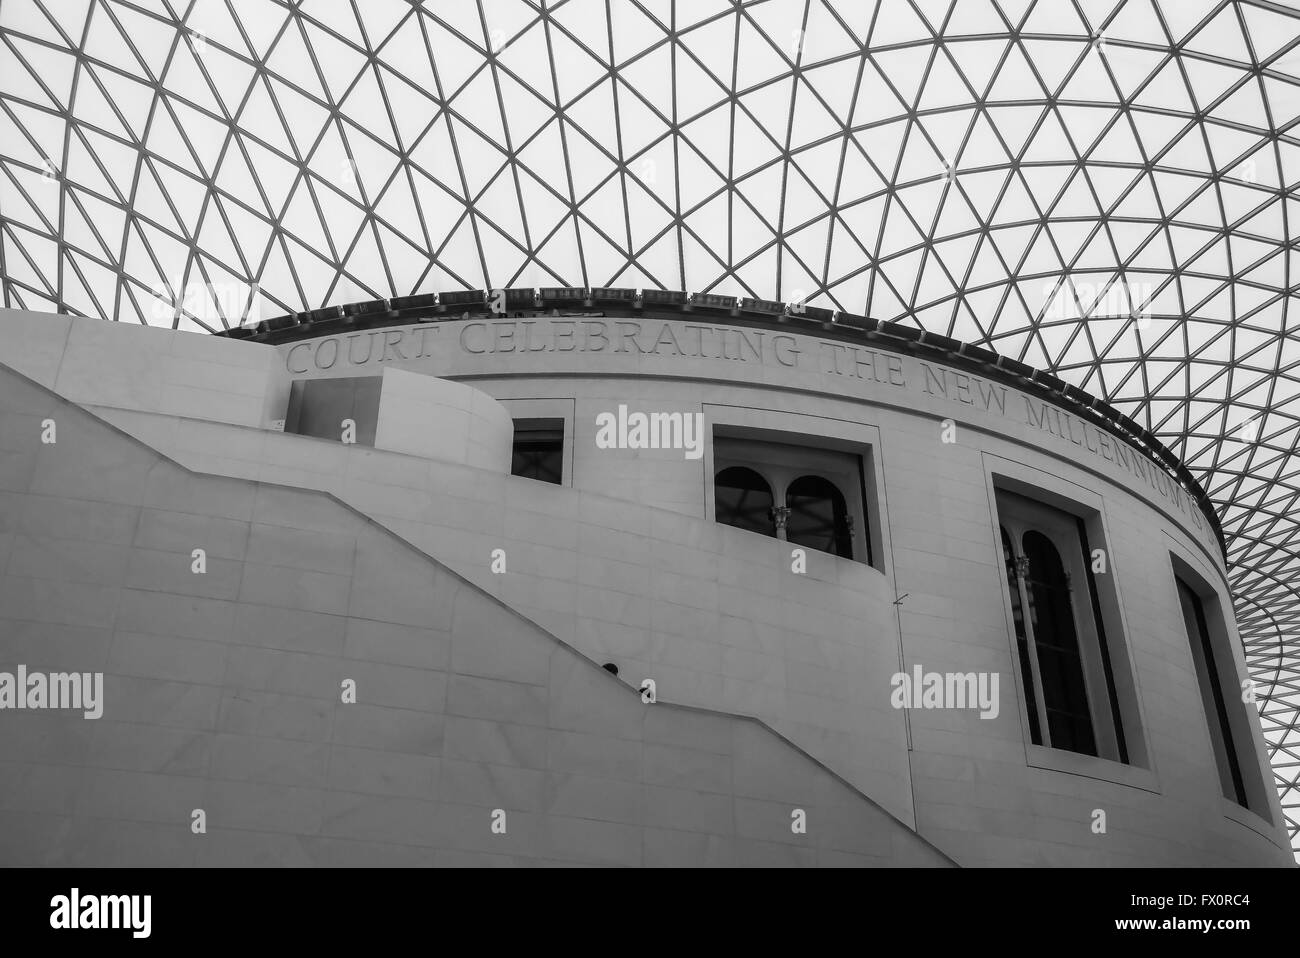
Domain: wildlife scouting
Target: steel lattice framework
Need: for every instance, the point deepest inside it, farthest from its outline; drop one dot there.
(1101, 188)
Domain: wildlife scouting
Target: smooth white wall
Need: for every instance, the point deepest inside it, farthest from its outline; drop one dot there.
(440, 419)
(122, 366)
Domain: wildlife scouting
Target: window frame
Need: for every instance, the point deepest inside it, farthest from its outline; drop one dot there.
(1229, 668)
(1021, 515)
(531, 424)
(835, 434)
(559, 408)
(1089, 508)
(770, 456)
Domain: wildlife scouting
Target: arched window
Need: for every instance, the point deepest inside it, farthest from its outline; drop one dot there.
(1072, 694)
(1219, 708)
(744, 499)
(1056, 644)
(818, 517)
(811, 497)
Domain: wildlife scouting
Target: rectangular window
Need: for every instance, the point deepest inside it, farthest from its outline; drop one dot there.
(539, 450)
(807, 495)
(1065, 660)
(1218, 701)
(319, 407)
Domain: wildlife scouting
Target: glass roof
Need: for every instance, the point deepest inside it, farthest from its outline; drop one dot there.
(1101, 188)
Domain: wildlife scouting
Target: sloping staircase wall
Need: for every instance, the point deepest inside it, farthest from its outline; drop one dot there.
(223, 692)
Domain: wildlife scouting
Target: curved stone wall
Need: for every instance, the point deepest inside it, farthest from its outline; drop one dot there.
(324, 694)
(625, 562)
(812, 654)
(440, 419)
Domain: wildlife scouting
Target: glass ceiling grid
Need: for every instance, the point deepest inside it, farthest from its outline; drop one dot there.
(1105, 189)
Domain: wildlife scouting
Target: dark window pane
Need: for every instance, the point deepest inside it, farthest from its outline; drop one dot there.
(538, 453)
(743, 499)
(1216, 707)
(318, 407)
(1022, 643)
(1065, 695)
(1094, 602)
(818, 516)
